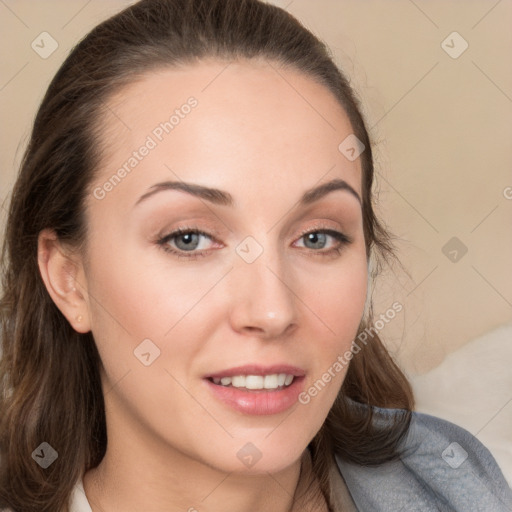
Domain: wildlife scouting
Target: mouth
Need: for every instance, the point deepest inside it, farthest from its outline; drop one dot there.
(272, 382)
(257, 390)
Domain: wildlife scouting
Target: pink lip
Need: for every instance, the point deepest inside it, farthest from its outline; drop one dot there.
(258, 402)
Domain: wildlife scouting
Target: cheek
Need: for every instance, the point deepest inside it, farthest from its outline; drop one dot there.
(132, 293)
(337, 297)
(136, 312)
(136, 296)
(338, 301)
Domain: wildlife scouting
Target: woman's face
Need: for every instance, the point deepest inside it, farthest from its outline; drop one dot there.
(196, 331)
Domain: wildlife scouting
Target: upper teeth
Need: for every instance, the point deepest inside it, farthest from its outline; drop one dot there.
(256, 381)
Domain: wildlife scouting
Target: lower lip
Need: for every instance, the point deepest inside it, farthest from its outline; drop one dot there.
(258, 402)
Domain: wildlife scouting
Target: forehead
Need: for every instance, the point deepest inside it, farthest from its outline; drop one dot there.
(249, 123)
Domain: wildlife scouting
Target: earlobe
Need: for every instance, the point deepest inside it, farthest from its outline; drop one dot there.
(63, 277)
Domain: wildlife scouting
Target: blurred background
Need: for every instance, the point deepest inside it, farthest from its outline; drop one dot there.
(435, 81)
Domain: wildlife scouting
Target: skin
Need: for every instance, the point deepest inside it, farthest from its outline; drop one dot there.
(172, 446)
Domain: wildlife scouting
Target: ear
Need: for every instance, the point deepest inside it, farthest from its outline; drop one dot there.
(64, 278)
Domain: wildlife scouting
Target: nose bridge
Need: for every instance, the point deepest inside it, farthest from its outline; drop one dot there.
(261, 291)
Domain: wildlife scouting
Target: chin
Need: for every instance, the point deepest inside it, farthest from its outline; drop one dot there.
(259, 453)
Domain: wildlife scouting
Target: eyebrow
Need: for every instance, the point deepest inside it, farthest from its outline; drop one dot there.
(223, 198)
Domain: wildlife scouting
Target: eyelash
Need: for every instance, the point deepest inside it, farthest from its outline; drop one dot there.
(163, 242)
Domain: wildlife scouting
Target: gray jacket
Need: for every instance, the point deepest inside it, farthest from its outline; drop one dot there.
(444, 468)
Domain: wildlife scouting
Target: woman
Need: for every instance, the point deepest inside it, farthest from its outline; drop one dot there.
(185, 320)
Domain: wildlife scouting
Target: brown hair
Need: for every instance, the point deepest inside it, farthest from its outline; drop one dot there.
(50, 386)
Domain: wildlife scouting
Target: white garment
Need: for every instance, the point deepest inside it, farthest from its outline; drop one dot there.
(78, 501)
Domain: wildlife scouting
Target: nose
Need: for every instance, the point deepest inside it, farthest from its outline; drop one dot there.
(262, 302)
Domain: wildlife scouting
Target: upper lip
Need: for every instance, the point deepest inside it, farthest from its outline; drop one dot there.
(254, 369)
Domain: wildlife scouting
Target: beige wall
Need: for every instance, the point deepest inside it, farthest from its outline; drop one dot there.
(442, 128)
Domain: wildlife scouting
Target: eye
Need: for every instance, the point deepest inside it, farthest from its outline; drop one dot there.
(193, 243)
(319, 238)
(186, 240)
